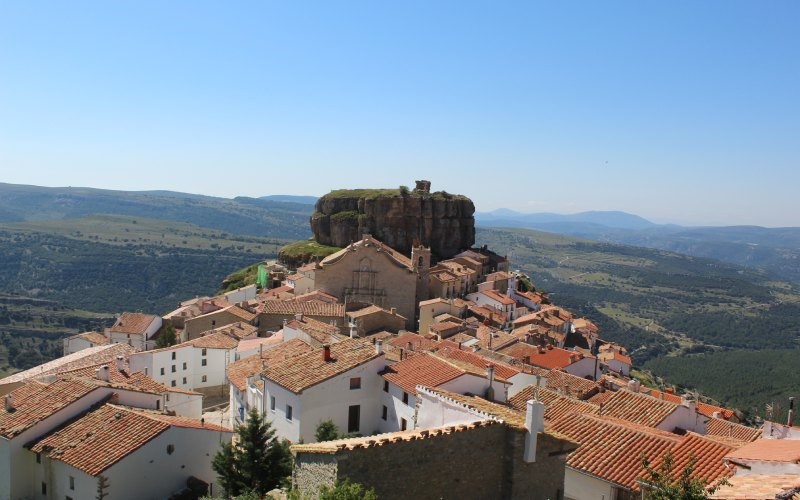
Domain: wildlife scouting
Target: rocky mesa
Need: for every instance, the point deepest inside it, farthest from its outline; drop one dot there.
(399, 218)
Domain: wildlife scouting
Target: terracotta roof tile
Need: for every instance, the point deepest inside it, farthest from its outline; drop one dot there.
(321, 332)
(703, 408)
(239, 330)
(758, 487)
(550, 357)
(305, 307)
(85, 357)
(707, 454)
(316, 295)
(422, 369)
(251, 344)
(35, 401)
(93, 337)
(240, 370)
(612, 449)
(556, 405)
(769, 450)
(310, 369)
(502, 299)
(372, 309)
(723, 428)
(418, 342)
(479, 362)
(104, 436)
(137, 381)
(133, 323)
(571, 385)
(637, 408)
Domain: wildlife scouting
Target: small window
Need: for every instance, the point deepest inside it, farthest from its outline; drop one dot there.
(355, 383)
(204, 362)
(272, 403)
(184, 380)
(173, 354)
(385, 413)
(173, 383)
(38, 458)
(385, 385)
(170, 449)
(167, 396)
(403, 424)
(288, 412)
(213, 322)
(405, 398)
(173, 368)
(158, 404)
(184, 365)
(205, 379)
(44, 488)
(162, 370)
(204, 351)
(71, 483)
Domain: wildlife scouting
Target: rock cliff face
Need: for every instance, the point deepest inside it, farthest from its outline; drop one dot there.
(398, 218)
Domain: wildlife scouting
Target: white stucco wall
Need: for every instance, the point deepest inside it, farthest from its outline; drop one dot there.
(152, 363)
(75, 344)
(684, 418)
(584, 368)
(579, 486)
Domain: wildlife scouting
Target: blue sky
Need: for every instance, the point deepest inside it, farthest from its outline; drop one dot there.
(685, 112)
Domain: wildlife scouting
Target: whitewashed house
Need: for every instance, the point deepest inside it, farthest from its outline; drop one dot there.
(399, 395)
(135, 329)
(503, 304)
(196, 365)
(339, 383)
(83, 341)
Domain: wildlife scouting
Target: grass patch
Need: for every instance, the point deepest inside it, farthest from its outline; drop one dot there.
(307, 250)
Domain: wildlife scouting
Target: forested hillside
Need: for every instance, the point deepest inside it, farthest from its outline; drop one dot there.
(666, 307)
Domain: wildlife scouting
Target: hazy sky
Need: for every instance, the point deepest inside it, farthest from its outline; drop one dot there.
(678, 111)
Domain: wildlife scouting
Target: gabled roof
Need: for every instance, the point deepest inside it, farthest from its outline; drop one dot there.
(133, 323)
(703, 408)
(85, 357)
(35, 401)
(369, 242)
(768, 450)
(501, 370)
(707, 455)
(760, 487)
(421, 369)
(319, 331)
(612, 449)
(637, 408)
(239, 330)
(571, 385)
(372, 309)
(305, 307)
(123, 379)
(256, 343)
(307, 370)
(556, 405)
(93, 337)
(502, 299)
(316, 295)
(418, 342)
(549, 357)
(723, 428)
(240, 370)
(105, 435)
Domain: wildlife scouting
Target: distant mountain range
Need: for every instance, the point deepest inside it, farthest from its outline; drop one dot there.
(289, 198)
(776, 250)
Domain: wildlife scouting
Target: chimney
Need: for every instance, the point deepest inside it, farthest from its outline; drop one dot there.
(120, 363)
(717, 414)
(668, 390)
(634, 385)
(490, 377)
(790, 418)
(410, 346)
(352, 326)
(326, 352)
(9, 403)
(298, 316)
(393, 311)
(402, 354)
(534, 424)
(102, 373)
(687, 400)
(379, 346)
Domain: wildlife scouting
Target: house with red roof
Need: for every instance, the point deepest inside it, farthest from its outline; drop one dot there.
(549, 357)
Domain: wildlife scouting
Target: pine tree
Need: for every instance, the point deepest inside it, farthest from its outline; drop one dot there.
(258, 462)
(167, 336)
(326, 431)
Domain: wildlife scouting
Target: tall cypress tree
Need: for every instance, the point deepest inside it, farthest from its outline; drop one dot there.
(258, 461)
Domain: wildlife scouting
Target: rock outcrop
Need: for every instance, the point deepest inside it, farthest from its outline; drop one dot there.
(397, 217)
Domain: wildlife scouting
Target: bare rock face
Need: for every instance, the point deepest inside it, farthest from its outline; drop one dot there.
(397, 217)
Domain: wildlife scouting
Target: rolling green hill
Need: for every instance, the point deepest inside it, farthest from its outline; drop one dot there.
(666, 307)
(242, 215)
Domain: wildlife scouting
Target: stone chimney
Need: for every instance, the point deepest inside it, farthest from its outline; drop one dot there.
(102, 373)
(326, 353)
(410, 346)
(379, 346)
(9, 403)
(120, 363)
(298, 316)
(534, 424)
(490, 377)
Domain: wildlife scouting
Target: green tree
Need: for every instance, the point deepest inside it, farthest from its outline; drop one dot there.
(326, 431)
(167, 336)
(664, 484)
(345, 490)
(258, 462)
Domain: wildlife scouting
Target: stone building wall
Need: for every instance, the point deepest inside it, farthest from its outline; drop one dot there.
(478, 463)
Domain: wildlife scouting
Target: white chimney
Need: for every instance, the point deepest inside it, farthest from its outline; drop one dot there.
(534, 423)
(688, 401)
(352, 326)
(379, 346)
(790, 418)
(9, 403)
(634, 385)
(393, 311)
(102, 373)
(298, 316)
(120, 363)
(490, 377)
(717, 414)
